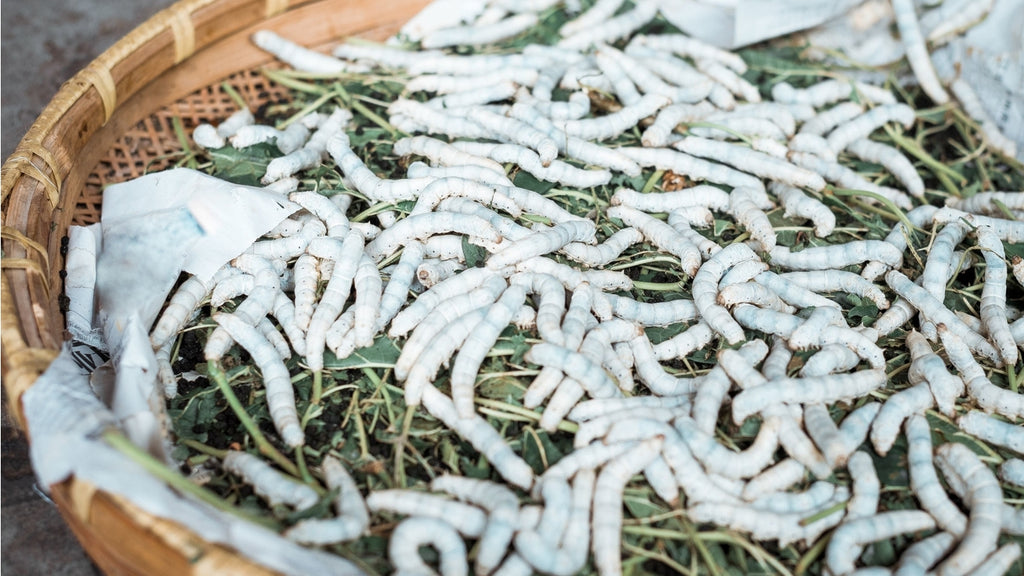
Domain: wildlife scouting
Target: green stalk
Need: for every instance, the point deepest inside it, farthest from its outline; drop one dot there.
(204, 449)
(882, 199)
(234, 95)
(176, 481)
(262, 444)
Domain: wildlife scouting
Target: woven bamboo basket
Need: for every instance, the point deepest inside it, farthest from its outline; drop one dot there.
(111, 122)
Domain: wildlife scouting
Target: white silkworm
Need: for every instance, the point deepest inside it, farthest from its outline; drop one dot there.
(462, 283)
(432, 271)
(573, 147)
(986, 501)
(576, 366)
(206, 136)
(766, 320)
(811, 144)
(653, 375)
(744, 208)
(614, 71)
(769, 146)
(743, 272)
(570, 558)
(705, 291)
(863, 125)
(323, 208)
(681, 345)
(181, 305)
(792, 293)
(993, 295)
(798, 204)
(926, 366)
(517, 132)
(775, 479)
(828, 91)
(935, 311)
(613, 28)
(917, 53)
(809, 500)
(411, 533)
(442, 153)
(1000, 561)
(480, 34)
(300, 58)
(1012, 471)
(437, 352)
(718, 459)
(274, 337)
(892, 160)
(478, 343)
(661, 235)
(897, 408)
(368, 287)
(923, 554)
(290, 246)
(829, 388)
(728, 78)
(306, 278)
(752, 293)
(542, 242)
(760, 524)
(659, 133)
(353, 518)
(442, 84)
(924, 480)
(701, 195)
(993, 431)
(648, 81)
(528, 160)
(611, 125)
(607, 508)
(751, 161)
(577, 106)
(824, 122)
(228, 127)
(604, 252)
(269, 484)
(986, 202)
(422, 226)
(693, 48)
(848, 178)
(396, 291)
(467, 519)
(255, 306)
(1011, 231)
(284, 311)
(989, 397)
(473, 172)
(839, 281)
(482, 436)
(503, 507)
(837, 255)
(850, 538)
(695, 168)
(898, 237)
(346, 255)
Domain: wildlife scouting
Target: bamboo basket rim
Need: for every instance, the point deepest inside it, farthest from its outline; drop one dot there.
(36, 186)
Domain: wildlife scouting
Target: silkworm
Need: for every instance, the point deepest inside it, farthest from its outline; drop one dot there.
(478, 343)
(442, 153)
(742, 273)
(353, 518)
(897, 408)
(175, 315)
(482, 436)
(774, 479)
(829, 388)
(1012, 471)
(848, 178)
(751, 161)
(769, 146)
(993, 295)
(989, 397)
(659, 133)
(301, 58)
(892, 160)
(346, 255)
(604, 252)
(849, 538)
(271, 485)
(607, 508)
(986, 500)
(611, 125)
(469, 520)
(798, 204)
(206, 136)
(445, 84)
(255, 306)
(437, 352)
(649, 82)
(923, 554)
(917, 53)
(368, 286)
(898, 237)
(985, 202)
(691, 166)
(836, 255)
(503, 508)
(575, 365)
(571, 556)
(653, 375)
(705, 291)
(483, 95)
(714, 386)
(611, 29)
(397, 288)
(816, 496)
(1000, 561)
(828, 91)
(701, 195)
(528, 160)
(863, 125)
(792, 293)
(752, 293)
(926, 366)
(661, 235)
(542, 242)
(679, 346)
(480, 34)
(1010, 231)
(811, 144)
(744, 208)
(517, 132)
(993, 431)
(839, 281)
(411, 533)
(422, 226)
(924, 479)
(718, 459)
(241, 117)
(733, 82)
(693, 48)
(462, 283)
(760, 524)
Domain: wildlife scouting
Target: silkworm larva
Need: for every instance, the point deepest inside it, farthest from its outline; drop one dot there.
(714, 386)
(274, 337)
(284, 311)
(1011, 231)
(411, 533)
(705, 291)
(661, 235)
(482, 436)
(353, 519)
(422, 226)
(816, 496)
(446, 84)
(269, 484)
(1012, 471)
(993, 431)
(718, 459)
(836, 255)
(845, 177)
(1000, 561)
(442, 153)
(854, 430)
(590, 409)
(368, 286)
(432, 271)
(604, 252)
(792, 293)
(985, 202)
(467, 519)
(607, 512)
(692, 166)
(346, 255)
(478, 343)
(701, 195)
(614, 70)
(611, 29)
(546, 555)
(613, 124)
(397, 289)
(839, 281)
(811, 144)
(985, 499)
(798, 204)
(479, 34)
(993, 295)
(828, 388)
(206, 136)
(339, 336)
(899, 407)
(917, 53)
(528, 160)
(766, 320)
(828, 91)
(923, 554)
(577, 366)
(653, 375)
(989, 397)
(745, 210)
(660, 132)
(849, 539)
(693, 338)
(300, 58)
(229, 126)
(769, 146)
(760, 524)
(255, 306)
(924, 480)
(693, 48)
(462, 283)
(648, 81)
(478, 96)
(576, 107)
(898, 237)
(741, 273)
(181, 305)
(542, 242)
(751, 161)
(892, 160)
(752, 293)
(517, 132)
(774, 479)
(866, 123)
(503, 507)
(306, 278)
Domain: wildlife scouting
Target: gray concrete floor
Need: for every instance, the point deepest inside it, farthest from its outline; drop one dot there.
(44, 42)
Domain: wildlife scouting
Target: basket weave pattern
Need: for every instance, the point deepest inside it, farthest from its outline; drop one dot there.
(111, 122)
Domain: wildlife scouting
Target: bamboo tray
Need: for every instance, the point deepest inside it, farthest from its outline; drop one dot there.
(111, 122)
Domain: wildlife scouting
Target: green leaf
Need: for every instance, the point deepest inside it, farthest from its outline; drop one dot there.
(383, 353)
(524, 179)
(475, 255)
(243, 166)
